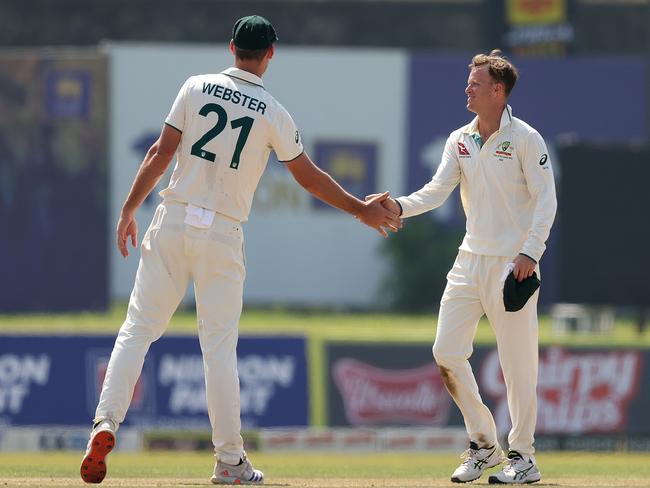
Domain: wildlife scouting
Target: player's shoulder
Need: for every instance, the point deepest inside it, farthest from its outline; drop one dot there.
(458, 133)
(523, 129)
(276, 109)
(198, 82)
(206, 77)
(278, 106)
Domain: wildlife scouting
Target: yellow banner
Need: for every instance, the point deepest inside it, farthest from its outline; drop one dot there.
(525, 12)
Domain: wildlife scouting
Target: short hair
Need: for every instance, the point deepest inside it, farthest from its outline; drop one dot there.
(252, 54)
(501, 70)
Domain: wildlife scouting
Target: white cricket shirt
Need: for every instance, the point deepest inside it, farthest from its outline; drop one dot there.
(506, 186)
(230, 124)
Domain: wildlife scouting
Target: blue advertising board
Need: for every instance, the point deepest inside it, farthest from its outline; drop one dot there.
(570, 97)
(352, 163)
(53, 183)
(57, 380)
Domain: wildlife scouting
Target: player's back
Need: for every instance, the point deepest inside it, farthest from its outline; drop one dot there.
(230, 123)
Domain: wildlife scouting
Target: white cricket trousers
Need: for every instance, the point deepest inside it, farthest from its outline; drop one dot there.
(474, 288)
(172, 253)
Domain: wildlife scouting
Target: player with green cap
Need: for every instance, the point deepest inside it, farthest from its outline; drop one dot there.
(253, 32)
(222, 128)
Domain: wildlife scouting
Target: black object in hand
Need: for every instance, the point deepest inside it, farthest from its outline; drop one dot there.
(516, 293)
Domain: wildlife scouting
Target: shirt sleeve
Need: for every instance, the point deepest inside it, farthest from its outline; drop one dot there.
(538, 171)
(285, 138)
(176, 117)
(434, 193)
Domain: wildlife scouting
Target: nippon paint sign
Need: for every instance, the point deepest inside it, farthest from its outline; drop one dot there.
(261, 377)
(20, 376)
(353, 121)
(170, 392)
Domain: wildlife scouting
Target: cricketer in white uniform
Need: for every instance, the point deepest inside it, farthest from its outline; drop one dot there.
(222, 128)
(508, 195)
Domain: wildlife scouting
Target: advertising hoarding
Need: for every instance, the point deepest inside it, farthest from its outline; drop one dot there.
(580, 391)
(57, 380)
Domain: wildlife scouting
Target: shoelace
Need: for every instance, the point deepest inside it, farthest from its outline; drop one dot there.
(512, 462)
(468, 455)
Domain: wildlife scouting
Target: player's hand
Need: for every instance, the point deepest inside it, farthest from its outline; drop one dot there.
(127, 227)
(377, 216)
(389, 204)
(524, 267)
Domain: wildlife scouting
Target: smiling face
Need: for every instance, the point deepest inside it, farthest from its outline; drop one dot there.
(483, 93)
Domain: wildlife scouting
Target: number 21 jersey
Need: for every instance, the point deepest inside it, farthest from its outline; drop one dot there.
(229, 125)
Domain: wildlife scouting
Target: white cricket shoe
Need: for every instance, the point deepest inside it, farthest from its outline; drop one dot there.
(237, 474)
(475, 461)
(517, 470)
(102, 442)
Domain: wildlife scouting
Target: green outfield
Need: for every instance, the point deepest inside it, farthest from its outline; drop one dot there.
(314, 470)
(317, 325)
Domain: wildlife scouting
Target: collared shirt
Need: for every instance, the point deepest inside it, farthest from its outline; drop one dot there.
(230, 124)
(506, 186)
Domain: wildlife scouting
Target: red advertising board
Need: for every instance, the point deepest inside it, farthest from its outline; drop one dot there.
(580, 391)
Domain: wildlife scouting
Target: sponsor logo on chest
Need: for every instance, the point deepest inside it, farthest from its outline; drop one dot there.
(463, 152)
(504, 150)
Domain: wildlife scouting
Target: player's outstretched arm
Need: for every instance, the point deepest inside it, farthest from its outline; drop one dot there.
(323, 186)
(153, 166)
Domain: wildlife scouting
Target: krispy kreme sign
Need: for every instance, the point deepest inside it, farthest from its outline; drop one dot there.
(577, 391)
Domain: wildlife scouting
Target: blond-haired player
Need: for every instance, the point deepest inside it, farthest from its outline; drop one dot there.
(508, 194)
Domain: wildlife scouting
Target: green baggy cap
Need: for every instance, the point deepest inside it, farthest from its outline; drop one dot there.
(253, 32)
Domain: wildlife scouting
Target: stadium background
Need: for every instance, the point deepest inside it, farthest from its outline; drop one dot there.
(375, 87)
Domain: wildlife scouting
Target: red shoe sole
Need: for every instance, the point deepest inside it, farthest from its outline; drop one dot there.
(93, 466)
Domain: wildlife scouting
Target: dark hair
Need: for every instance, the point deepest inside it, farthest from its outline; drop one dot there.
(501, 70)
(252, 54)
